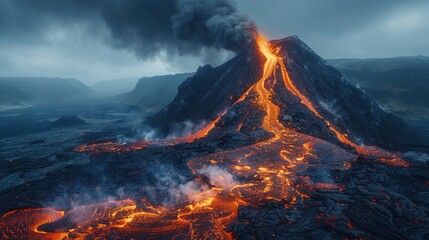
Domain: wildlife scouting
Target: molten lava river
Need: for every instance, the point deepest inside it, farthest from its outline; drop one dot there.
(267, 171)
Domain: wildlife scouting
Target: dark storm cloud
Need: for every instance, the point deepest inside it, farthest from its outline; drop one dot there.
(179, 27)
(146, 27)
(93, 39)
(27, 21)
(213, 23)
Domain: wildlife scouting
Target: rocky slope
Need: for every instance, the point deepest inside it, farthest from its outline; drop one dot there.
(151, 94)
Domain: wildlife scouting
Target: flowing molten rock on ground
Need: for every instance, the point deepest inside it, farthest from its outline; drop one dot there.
(283, 148)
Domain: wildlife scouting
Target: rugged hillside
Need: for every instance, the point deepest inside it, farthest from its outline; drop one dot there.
(25, 91)
(115, 87)
(207, 93)
(151, 94)
(399, 85)
(331, 98)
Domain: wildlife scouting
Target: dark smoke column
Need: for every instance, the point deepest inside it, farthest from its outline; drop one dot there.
(212, 23)
(176, 27)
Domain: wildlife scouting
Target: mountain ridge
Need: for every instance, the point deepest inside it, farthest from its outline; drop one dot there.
(399, 85)
(113, 87)
(153, 93)
(25, 91)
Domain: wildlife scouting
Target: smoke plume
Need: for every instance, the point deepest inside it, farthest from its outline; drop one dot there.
(145, 27)
(219, 177)
(177, 188)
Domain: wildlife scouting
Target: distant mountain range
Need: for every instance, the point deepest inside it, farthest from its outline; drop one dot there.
(151, 94)
(27, 91)
(400, 85)
(115, 87)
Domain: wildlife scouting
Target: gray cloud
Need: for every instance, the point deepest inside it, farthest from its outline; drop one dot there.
(177, 27)
(99, 39)
(151, 30)
(147, 27)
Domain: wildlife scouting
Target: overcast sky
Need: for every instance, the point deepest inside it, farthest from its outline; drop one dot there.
(38, 38)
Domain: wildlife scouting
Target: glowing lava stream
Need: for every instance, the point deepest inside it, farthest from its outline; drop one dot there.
(268, 168)
(291, 87)
(270, 123)
(23, 224)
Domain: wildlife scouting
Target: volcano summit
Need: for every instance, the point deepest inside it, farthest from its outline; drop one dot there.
(283, 148)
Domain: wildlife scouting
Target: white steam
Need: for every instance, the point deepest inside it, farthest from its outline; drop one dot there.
(193, 190)
(219, 177)
(330, 107)
(185, 128)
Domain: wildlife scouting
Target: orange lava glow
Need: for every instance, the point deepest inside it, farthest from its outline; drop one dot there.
(23, 224)
(396, 162)
(106, 147)
(268, 171)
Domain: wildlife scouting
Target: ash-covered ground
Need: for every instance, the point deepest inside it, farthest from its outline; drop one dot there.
(276, 163)
(38, 142)
(368, 199)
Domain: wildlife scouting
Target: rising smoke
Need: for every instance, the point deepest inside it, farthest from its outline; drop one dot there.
(178, 189)
(145, 27)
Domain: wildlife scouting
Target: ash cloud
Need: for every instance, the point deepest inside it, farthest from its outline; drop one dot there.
(146, 27)
(177, 26)
(212, 23)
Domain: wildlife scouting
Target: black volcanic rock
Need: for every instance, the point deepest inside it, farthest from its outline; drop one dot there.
(254, 175)
(349, 107)
(213, 90)
(209, 91)
(67, 121)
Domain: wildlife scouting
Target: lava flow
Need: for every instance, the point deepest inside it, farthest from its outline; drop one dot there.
(270, 170)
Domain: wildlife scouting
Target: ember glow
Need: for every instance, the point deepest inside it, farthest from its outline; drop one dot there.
(269, 170)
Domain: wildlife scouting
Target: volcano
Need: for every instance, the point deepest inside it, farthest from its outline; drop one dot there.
(282, 147)
(311, 95)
